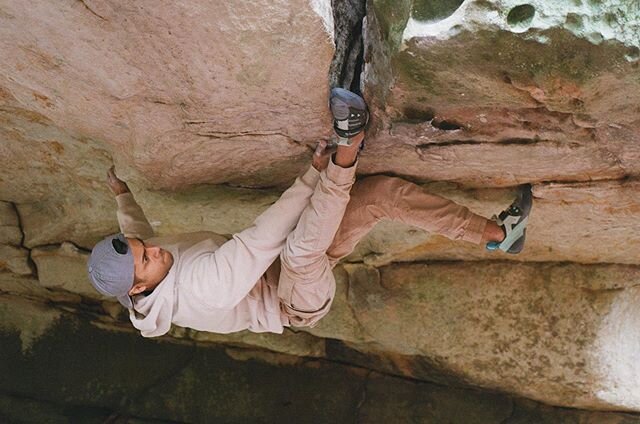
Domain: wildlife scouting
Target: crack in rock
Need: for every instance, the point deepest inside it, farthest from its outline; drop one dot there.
(347, 62)
(506, 142)
(30, 262)
(93, 12)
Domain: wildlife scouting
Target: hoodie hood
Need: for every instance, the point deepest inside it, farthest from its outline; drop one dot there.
(152, 313)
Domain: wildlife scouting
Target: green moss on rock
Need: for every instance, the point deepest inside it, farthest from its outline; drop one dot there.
(392, 17)
(433, 10)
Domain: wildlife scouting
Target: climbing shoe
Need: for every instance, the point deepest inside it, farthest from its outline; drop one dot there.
(513, 222)
(350, 114)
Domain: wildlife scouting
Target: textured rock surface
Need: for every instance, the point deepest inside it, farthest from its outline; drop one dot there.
(562, 333)
(184, 383)
(143, 86)
(64, 268)
(176, 90)
(472, 99)
(208, 111)
(13, 258)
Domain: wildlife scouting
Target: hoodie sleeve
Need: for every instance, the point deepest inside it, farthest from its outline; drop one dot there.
(224, 277)
(131, 218)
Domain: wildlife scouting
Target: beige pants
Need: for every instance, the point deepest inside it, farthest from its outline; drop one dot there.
(335, 221)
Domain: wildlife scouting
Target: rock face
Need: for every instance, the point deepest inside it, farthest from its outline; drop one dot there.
(497, 92)
(176, 89)
(559, 333)
(13, 258)
(209, 112)
(180, 383)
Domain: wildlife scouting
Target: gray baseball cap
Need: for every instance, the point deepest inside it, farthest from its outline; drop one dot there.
(111, 269)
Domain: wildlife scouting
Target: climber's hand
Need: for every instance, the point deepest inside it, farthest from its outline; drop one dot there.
(322, 155)
(116, 185)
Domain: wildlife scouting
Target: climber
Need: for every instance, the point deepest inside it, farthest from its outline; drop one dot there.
(278, 272)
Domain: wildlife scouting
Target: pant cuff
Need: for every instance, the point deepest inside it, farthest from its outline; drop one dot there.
(311, 177)
(475, 229)
(340, 175)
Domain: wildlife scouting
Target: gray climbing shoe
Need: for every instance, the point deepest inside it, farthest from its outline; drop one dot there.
(350, 114)
(513, 221)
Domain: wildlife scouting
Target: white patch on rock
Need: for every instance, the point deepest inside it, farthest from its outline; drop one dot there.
(607, 20)
(617, 355)
(325, 11)
(441, 29)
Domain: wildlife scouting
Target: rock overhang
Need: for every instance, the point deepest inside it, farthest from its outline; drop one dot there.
(490, 96)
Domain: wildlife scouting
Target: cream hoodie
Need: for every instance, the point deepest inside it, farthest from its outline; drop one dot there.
(216, 284)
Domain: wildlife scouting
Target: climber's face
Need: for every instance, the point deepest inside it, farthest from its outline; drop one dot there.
(151, 264)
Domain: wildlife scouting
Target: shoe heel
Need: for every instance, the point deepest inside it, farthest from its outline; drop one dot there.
(493, 245)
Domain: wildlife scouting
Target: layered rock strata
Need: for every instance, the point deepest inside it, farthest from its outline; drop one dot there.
(208, 111)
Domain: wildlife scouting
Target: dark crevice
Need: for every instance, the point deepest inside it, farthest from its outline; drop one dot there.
(414, 115)
(446, 125)
(347, 63)
(52, 246)
(521, 15)
(481, 262)
(80, 248)
(590, 180)
(30, 263)
(15, 209)
(505, 142)
(501, 261)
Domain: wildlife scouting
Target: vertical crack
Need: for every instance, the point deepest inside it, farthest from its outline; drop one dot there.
(15, 209)
(30, 263)
(347, 63)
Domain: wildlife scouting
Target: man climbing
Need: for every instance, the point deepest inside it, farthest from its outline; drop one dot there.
(278, 272)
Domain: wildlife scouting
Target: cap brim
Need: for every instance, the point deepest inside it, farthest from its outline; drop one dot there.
(125, 300)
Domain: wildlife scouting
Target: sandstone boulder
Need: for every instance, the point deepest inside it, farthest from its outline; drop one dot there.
(177, 90)
(208, 111)
(502, 92)
(564, 334)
